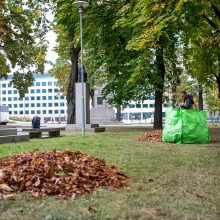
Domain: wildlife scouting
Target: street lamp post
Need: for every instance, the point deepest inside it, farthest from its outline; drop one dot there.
(81, 5)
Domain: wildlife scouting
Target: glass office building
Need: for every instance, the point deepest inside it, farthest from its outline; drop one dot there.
(43, 99)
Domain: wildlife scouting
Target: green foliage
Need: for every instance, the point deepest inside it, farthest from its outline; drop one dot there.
(212, 99)
(23, 47)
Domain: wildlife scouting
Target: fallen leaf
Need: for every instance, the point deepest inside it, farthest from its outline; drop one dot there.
(37, 183)
(6, 187)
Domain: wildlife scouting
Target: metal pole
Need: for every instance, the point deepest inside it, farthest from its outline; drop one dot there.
(82, 74)
(0, 103)
(59, 104)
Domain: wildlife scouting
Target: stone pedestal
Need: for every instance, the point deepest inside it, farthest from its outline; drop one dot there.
(102, 112)
(78, 98)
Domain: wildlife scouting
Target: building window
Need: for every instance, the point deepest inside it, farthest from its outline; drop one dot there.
(44, 112)
(32, 98)
(3, 85)
(38, 104)
(99, 101)
(4, 92)
(55, 97)
(9, 99)
(124, 116)
(131, 105)
(138, 105)
(151, 97)
(9, 92)
(61, 97)
(26, 98)
(37, 90)
(32, 91)
(26, 105)
(50, 111)
(62, 104)
(55, 83)
(145, 105)
(55, 111)
(50, 97)
(9, 85)
(50, 104)
(44, 83)
(10, 112)
(44, 91)
(37, 83)
(21, 105)
(15, 92)
(165, 105)
(38, 112)
(15, 105)
(44, 105)
(32, 112)
(147, 115)
(38, 98)
(151, 105)
(32, 105)
(4, 99)
(26, 112)
(135, 116)
(9, 105)
(44, 97)
(50, 83)
(55, 90)
(50, 90)
(21, 112)
(55, 104)
(62, 111)
(15, 112)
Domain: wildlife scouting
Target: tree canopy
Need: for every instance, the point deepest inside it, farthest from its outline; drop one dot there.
(23, 25)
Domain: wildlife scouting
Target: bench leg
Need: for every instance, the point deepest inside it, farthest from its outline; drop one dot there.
(35, 134)
(54, 133)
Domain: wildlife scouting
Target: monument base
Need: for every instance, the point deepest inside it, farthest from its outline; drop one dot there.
(78, 127)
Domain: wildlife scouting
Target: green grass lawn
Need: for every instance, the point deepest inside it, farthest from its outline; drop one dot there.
(169, 181)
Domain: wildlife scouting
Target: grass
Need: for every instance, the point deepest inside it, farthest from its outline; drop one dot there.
(169, 181)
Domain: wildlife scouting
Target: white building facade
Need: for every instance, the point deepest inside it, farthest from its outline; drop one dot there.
(141, 112)
(43, 99)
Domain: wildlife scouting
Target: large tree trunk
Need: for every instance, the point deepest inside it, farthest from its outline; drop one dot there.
(118, 114)
(200, 97)
(173, 93)
(159, 86)
(71, 119)
(218, 82)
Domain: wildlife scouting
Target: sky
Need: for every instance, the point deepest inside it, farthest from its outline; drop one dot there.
(51, 38)
(51, 55)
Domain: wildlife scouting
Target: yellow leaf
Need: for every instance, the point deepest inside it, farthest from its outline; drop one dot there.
(19, 10)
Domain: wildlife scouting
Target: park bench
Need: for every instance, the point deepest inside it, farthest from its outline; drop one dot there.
(37, 132)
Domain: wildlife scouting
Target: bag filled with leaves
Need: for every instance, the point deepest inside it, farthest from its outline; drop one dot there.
(185, 126)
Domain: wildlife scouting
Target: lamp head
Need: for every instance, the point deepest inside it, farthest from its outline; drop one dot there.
(81, 4)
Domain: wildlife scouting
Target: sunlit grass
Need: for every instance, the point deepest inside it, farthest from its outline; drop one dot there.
(169, 181)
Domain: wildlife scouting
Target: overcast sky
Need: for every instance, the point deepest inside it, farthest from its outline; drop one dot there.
(51, 38)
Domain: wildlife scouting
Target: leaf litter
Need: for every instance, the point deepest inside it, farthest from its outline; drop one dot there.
(65, 174)
(151, 136)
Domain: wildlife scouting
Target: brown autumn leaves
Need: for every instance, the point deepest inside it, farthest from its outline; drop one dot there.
(151, 136)
(65, 174)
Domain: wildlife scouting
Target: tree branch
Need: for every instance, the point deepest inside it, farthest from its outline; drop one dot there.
(217, 12)
(210, 22)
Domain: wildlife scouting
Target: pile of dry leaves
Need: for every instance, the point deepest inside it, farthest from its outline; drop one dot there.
(65, 174)
(151, 136)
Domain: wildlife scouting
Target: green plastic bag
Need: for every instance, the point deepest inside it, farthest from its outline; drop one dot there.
(185, 126)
